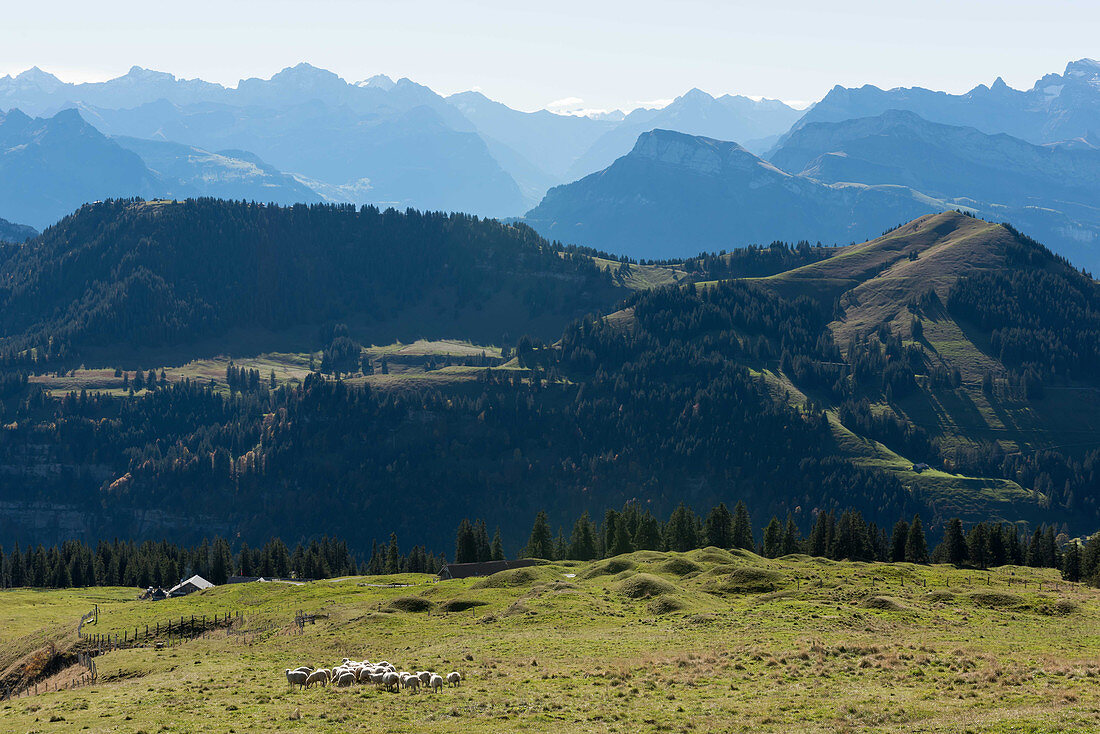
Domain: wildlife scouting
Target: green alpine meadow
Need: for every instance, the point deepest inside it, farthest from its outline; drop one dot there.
(584, 367)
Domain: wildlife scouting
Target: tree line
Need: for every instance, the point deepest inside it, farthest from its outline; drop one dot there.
(126, 563)
(847, 536)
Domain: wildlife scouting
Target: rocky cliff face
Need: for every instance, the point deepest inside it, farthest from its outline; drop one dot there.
(675, 195)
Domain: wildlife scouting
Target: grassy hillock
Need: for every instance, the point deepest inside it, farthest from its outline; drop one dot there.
(709, 640)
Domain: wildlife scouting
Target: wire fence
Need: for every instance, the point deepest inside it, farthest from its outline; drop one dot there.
(90, 645)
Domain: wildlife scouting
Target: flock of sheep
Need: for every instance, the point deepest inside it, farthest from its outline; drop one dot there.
(383, 674)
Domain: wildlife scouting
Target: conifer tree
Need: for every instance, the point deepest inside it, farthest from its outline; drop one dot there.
(244, 561)
(393, 556)
(818, 542)
(18, 568)
(611, 520)
(680, 533)
(541, 543)
(897, 541)
(1090, 560)
(466, 545)
(560, 546)
(977, 545)
(497, 550)
(648, 534)
(1071, 562)
(1050, 549)
(998, 552)
(622, 543)
(1035, 549)
(916, 548)
(790, 536)
(582, 542)
(376, 565)
(954, 543)
(719, 527)
(773, 539)
(481, 536)
(742, 528)
(221, 561)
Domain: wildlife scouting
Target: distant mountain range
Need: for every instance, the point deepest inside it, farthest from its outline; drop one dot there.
(860, 157)
(676, 195)
(1058, 107)
(51, 166)
(48, 167)
(753, 124)
(381, 141)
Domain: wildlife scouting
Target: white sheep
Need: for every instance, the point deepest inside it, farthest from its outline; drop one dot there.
(318, 676)
(425, 677)
(453, 678)
(436, 683)
(377, 678)
(391, 680)
(345, 679)
(412, 683)
(296, 677)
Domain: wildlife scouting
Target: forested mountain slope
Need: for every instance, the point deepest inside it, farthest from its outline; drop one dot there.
(949, 341)
(124, 275)
(974, 348)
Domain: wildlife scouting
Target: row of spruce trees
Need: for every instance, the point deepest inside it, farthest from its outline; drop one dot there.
(844, 537)
(125, 563)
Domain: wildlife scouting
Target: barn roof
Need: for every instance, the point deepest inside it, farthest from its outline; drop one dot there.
(197, 581)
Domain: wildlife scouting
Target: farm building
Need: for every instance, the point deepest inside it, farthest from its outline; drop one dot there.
(189, 586)
(483, 568)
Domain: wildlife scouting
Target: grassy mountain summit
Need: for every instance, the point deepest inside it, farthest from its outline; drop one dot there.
(1048, 190)
(875, 280)
(999, 335)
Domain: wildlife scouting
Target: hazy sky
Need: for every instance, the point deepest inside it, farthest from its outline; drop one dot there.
(593, 54)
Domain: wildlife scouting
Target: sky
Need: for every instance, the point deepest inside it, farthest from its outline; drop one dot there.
(568, 54)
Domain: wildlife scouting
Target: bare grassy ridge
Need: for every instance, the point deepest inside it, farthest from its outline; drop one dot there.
(795, 644)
